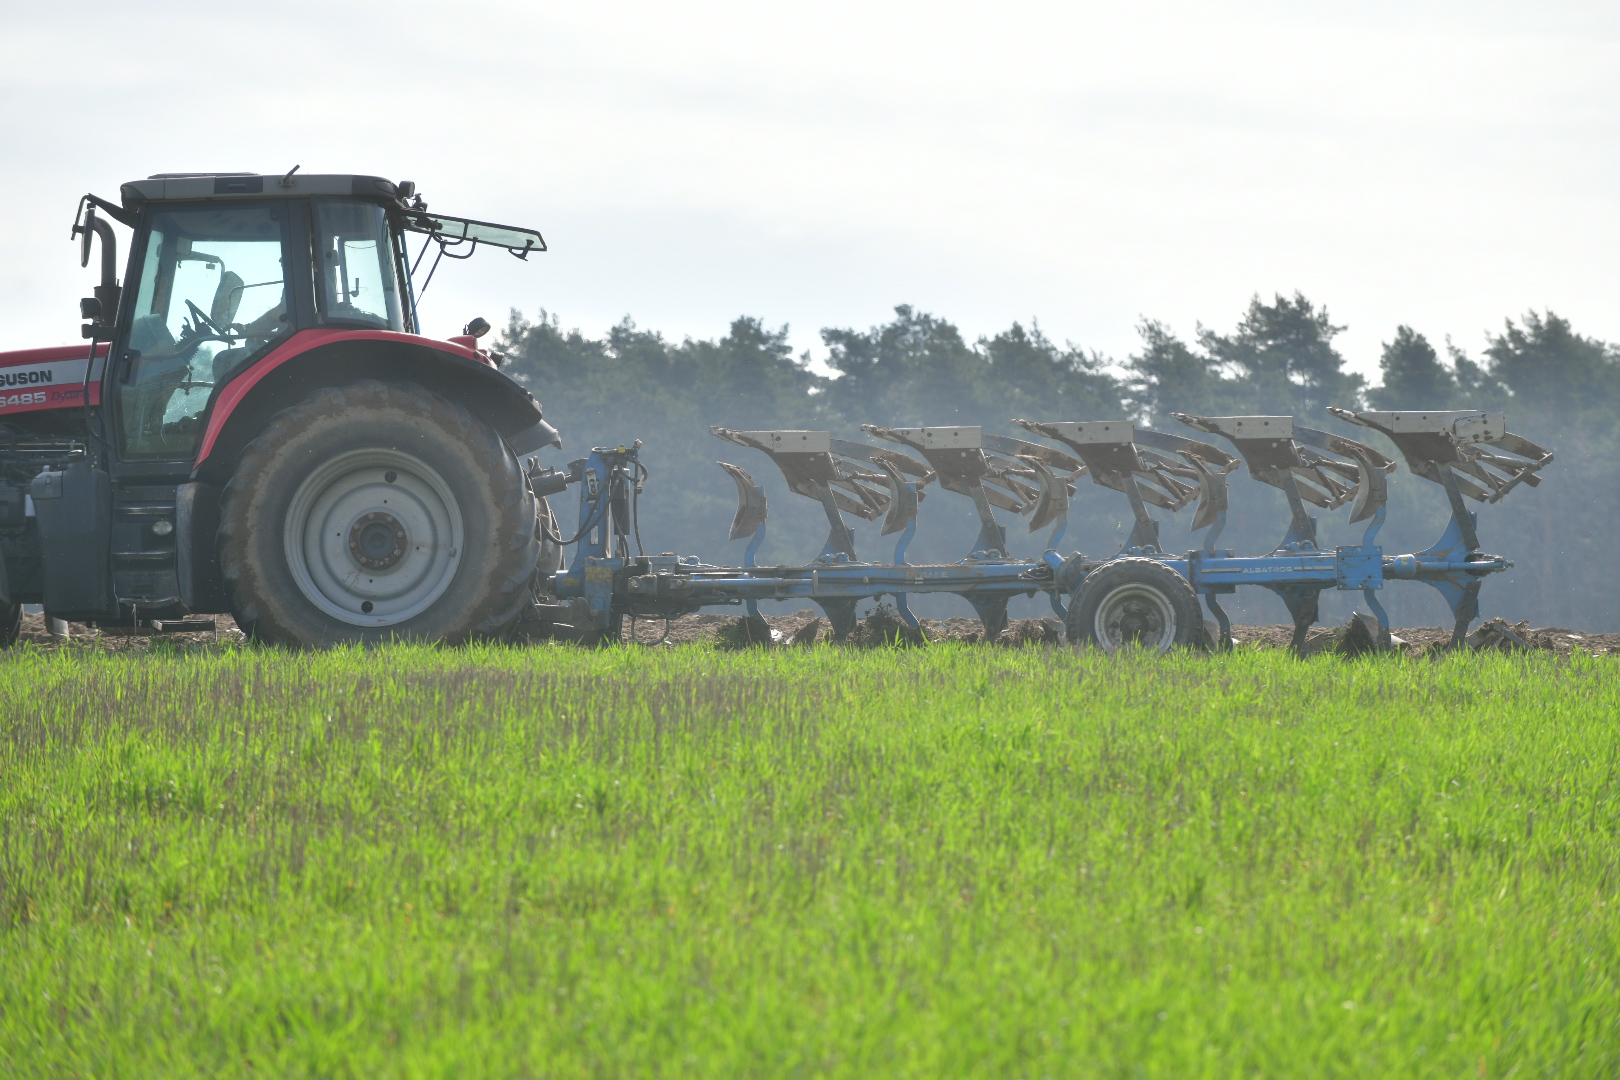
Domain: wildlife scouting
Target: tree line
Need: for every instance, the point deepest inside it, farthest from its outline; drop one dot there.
(1557, 387)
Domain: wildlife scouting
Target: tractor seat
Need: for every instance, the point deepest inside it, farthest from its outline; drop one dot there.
(227, 298)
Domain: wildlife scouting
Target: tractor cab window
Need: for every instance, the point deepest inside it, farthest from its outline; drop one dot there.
(211, 297)
(354, 253)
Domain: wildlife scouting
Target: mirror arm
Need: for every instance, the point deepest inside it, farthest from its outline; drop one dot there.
(87, 222)
(109, 251)
(107, 292)
(113, 210)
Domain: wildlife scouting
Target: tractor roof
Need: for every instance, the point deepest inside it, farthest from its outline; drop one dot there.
(294, 185)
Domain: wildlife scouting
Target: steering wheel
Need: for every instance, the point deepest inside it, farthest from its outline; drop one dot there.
(196, 313)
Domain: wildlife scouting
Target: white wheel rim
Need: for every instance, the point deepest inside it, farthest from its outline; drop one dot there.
(1135, 614)
(373, 537)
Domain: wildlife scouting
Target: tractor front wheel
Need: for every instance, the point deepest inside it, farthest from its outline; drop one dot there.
(10, 624)
(375, 512)
(1134, 602)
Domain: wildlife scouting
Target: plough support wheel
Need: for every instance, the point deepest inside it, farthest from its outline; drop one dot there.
(1135, 602)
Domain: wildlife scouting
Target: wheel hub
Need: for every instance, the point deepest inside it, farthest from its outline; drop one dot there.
(1135, 621)
(373, 536)
(377, 540)
(1135, 614)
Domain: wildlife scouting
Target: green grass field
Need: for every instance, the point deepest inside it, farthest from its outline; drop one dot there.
(817, 862)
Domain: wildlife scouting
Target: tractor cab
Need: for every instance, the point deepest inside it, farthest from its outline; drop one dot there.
(226, 268)
(244, 298)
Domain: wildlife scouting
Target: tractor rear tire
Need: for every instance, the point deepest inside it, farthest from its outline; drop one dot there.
(377, 512)
(1135, 602)
(10, 624)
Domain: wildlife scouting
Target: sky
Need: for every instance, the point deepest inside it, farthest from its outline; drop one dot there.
(1079, 165)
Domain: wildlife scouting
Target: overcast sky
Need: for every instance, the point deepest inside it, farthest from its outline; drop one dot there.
(1444, 165)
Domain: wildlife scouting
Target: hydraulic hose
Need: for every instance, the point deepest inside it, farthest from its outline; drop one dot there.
(595, 520)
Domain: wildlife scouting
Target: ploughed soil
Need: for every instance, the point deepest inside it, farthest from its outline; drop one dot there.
(883, 627)
(1422, 640)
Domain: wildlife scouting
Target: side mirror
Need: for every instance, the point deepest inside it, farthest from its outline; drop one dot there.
(85, 231)
(477, 328)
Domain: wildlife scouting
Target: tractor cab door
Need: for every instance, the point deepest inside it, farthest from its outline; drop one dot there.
(210, 295)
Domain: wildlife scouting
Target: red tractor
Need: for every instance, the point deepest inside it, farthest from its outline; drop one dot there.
(256, 426)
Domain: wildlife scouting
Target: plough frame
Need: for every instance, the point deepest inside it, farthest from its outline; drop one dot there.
(1467, 453)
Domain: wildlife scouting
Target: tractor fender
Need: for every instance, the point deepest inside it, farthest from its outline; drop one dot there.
(312, 359)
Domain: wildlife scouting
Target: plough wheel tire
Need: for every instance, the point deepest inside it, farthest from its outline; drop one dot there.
(10, 624)
(377, 512)
(1135, 602)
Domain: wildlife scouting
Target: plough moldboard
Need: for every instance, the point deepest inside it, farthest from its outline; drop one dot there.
(1142, 595)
